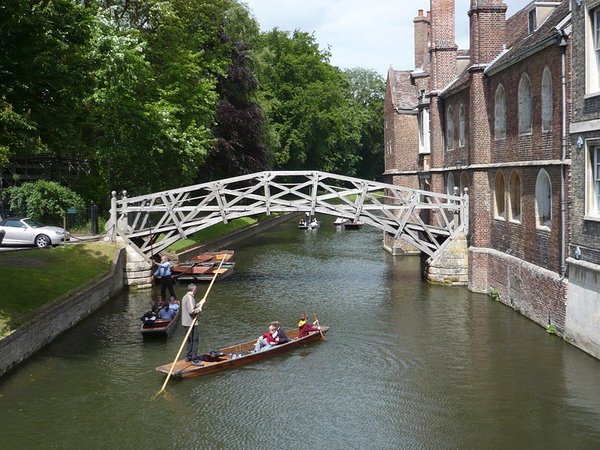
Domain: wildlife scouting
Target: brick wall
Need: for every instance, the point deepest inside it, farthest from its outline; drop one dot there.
(537, 293)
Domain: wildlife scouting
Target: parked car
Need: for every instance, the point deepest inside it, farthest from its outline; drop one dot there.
(26, 231)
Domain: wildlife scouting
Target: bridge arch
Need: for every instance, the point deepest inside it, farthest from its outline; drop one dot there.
(151, 223)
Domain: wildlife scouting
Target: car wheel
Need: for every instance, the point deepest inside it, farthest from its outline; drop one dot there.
(42, 241)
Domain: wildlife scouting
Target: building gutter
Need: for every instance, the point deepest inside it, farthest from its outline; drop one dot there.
(563, 43)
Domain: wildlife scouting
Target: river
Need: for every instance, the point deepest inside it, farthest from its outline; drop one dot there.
(405, 365)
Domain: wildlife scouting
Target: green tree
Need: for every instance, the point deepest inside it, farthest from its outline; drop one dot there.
(307, 105)
(367, 89)
(41, 199)
(44, 75)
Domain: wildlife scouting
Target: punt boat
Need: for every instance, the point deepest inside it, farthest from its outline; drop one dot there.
(159, 327)
(237, 355)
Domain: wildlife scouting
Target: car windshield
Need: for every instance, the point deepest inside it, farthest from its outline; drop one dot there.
(33, 223)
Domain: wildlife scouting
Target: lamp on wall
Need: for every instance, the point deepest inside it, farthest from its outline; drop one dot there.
(579, 143)
(579, 2)
(459, 163)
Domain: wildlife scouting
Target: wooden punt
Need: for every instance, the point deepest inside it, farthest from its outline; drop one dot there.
(159, 328)
(237, 355)
(352, 225)
(203, 271)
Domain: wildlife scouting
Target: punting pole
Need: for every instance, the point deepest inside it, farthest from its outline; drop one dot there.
(317, 321)
(189, 331)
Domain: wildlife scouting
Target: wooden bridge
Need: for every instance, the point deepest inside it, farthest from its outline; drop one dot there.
(151, 223)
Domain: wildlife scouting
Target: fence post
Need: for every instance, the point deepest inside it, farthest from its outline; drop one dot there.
(94, 219)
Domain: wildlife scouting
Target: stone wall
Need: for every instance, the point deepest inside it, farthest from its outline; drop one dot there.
(451, 264)
(582, 324)
(54, 318)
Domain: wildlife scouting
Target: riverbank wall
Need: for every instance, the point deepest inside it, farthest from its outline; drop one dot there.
(54, 318)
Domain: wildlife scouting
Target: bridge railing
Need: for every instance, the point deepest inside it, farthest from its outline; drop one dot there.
(151, 223)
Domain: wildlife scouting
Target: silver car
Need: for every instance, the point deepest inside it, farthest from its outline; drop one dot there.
(25, 231)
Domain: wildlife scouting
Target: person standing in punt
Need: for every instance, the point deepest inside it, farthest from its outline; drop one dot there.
(189, 310)
(164, 273)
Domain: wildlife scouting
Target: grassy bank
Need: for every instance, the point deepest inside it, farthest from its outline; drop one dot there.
(32, 278)
(214, 232)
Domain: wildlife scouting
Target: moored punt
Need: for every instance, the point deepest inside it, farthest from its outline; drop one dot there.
(191, 271)
(159, 327)
(339, 221)
(353, 225)
(237, 355)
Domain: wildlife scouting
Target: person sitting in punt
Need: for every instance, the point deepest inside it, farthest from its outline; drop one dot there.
(166, 312)
(150, 316)
(174, 304)
(305, 327)
(266, 340)
(280, 337)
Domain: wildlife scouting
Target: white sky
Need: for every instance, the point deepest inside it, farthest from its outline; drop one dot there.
(369, 34)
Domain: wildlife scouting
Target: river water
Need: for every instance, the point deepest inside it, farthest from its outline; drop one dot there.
(406, 365)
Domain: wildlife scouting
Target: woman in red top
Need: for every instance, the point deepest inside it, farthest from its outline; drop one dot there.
(305, 327)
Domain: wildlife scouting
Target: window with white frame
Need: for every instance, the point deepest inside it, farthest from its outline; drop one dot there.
(592, 50)
(424, 131)
(500, 114)
(514, 197)
(543, 200)
(546, 100)
(499, 208)
(593, 182)
(461, 125)
(449, 128)
(525, 105)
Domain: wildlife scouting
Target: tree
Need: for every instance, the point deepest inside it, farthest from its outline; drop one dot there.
(306, 102)
(41, 199)
(239, 147)
(367, 88)
(44, 75)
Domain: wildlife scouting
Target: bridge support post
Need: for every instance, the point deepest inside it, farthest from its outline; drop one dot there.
(138, 271)
(398, 246)
(450, 265)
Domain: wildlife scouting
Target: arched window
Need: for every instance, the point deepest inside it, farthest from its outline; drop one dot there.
(450, 184)
(543, 200)
(461, 125)
(499, 209)
(449, 129)
(546, 100)
(525, 105)
(514, 188)
(464, 182)
(500, 114)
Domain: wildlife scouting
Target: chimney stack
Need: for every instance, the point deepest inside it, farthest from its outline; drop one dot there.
(443, 43)
(421, 39)
(487, 30)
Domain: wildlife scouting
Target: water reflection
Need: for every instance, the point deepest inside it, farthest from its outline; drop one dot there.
(405, 365)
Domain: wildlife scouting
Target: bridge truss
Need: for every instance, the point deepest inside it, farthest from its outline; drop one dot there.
(151, 223)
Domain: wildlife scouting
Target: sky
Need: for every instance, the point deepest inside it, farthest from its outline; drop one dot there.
(359, 33)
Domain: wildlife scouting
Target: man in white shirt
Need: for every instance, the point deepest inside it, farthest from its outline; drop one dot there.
(189, 310)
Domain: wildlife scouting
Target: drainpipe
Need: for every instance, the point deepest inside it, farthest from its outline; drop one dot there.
(562, 43)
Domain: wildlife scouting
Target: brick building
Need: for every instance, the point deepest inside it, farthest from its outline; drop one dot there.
(583, 300)
(498, 120)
